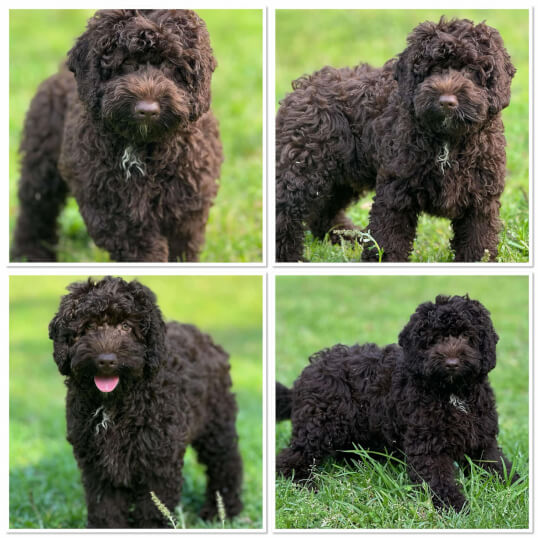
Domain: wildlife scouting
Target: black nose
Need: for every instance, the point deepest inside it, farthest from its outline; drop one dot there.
(107, 360)
(147, 109)
(452, 362)
(448, 101)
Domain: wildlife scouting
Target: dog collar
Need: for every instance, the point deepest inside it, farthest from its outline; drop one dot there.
(459, 404)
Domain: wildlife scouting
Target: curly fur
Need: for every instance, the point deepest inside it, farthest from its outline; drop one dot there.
(129, 132)
(424, 131)
(428, 398)
(173, 389)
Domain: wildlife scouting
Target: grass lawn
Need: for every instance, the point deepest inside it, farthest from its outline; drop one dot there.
(317, 312)
(308, 40)
(45, 486)
(39, 41)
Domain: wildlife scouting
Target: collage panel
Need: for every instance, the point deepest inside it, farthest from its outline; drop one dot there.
(162, 402)
(390, 141)
(402, 402)
(132, 137)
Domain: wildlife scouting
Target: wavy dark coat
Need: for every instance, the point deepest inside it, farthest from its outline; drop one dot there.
(173, 390)
(428, 398)
(144, 181)
(424, 131)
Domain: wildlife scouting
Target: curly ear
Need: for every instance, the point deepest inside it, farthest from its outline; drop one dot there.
(487, 335)
(403, 74)
(193, 49)
(58, 334)
(84, 59)
(500, 70)
(412, 64)
(152, 325)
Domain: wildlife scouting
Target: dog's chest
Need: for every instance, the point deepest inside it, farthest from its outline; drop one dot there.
(460, 425)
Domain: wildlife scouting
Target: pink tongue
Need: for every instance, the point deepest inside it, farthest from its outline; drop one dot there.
(106, 384)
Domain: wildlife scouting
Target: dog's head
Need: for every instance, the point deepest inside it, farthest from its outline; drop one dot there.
(454, 75)
(144, 73)
(450, 342)
(108, 334)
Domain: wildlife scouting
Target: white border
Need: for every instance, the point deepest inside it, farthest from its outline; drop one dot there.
(266, 268)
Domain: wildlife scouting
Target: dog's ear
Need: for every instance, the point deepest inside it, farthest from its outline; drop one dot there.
(152, 325)
(496, 65)
(416, 330)
(403, 74)
(61, 331)
(59, 334)
(85, 58)
(413, 63)
(487, 336)
(195, 55)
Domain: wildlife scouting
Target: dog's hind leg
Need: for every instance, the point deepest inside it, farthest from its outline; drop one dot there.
(217, 448)
(315, 436)
(329, 215)
(314, 147)
(42, 191)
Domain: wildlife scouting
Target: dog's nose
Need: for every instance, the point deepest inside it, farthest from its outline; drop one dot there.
(147, 109)
(448, 101)
(452, 362)
(107, 360)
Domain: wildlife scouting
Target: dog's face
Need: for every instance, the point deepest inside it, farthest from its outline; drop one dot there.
(454, 75)
(144, 73)
(108, 335)
(451, 342)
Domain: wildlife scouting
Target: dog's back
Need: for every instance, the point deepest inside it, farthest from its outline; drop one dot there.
(352, 374)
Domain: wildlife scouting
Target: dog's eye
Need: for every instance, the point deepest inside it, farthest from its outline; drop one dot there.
(125, 327)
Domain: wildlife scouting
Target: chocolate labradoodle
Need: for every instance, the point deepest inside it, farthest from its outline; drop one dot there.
(129, 132)
(138, 392)
(424, 131)
(428, 398)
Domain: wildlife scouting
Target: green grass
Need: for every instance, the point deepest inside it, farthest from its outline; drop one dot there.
(39, 41)
(45, 486)
(317, 312)
(308, 40)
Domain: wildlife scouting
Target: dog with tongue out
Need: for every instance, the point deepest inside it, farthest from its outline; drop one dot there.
(138, 392)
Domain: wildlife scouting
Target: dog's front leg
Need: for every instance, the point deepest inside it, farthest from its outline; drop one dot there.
(135, 246)
(393, 230)
(108, 506)
(476, 234)
(125, 240)
(492, 459)
(438, 471)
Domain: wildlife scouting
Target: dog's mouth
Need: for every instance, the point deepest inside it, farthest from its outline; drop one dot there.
(106, 383)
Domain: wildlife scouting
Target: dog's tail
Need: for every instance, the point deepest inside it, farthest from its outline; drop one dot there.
(283, 402)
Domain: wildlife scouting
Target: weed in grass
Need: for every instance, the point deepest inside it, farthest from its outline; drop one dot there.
(164, 510)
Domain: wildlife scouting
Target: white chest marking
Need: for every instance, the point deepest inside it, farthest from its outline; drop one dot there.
(105, 420)
(459, 404)
(442, 158)
(130, 160)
